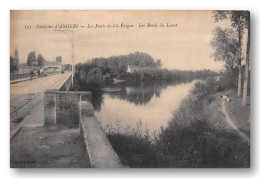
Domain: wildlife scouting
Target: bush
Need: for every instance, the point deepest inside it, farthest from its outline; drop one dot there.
(226, 83)
(134, 146)
(89, 78)
(205, 90)
(133, 151)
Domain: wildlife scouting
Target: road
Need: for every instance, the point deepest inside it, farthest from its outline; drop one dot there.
(25, 96)
(31, 144)
(232, 124)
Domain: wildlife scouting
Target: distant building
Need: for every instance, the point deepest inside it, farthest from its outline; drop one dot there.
(25, 69)
(131, 68)
(53, 66)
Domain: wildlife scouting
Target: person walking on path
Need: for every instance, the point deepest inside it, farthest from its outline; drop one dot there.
(31, 75)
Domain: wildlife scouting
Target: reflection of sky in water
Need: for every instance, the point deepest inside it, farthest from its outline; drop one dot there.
(154, 114)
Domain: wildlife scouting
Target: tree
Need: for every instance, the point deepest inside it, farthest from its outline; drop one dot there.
(31, 58)
(40, 60)
(226, 47)
(68, 67)
(158, 63)
(88, 78)
(14, 61)
(237, 19)
(247, 25)
(16, 57)
(13, 66)
(59, 59)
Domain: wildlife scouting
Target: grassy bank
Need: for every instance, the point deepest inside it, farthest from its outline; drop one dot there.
(196, 136)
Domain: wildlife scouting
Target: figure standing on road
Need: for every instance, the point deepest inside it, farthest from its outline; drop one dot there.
(31, 74)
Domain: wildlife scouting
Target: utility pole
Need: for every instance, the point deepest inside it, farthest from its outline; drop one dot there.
(71, 38)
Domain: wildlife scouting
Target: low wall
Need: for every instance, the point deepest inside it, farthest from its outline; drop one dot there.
(66, 85)
(74, 109)
(97, 147)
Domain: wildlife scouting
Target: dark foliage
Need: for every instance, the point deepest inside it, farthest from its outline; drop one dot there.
(13, 64)
(59, 59)
(14, 61)
(40, 60)
(88, 78)
(67, 67)
(121, 62)
(134, 150)
(31, 59)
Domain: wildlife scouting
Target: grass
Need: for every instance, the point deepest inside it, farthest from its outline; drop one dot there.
(191, 138)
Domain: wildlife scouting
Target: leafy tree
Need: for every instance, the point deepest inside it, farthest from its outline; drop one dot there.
(238, 21)
(59, 59)
(226, 47)
(13, 66)
(40, 60)
(14, 61)
(31, 59)
(89, 78)
(68, 67)
(16, 57)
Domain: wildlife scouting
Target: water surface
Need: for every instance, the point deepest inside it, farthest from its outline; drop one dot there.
(153, 103)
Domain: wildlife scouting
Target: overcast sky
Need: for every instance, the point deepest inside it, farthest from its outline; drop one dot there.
(184, 47)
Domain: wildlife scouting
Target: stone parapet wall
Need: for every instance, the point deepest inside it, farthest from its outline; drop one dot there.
(97, 147)
(66, 85)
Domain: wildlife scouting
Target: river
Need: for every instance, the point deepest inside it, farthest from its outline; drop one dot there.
(152, 103)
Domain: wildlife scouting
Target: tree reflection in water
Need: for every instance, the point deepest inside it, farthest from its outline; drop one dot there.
(139, 93)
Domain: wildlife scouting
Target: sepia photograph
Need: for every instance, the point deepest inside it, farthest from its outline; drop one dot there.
(130, 89)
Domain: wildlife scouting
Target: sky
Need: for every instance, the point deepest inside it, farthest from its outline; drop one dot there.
(185, 46)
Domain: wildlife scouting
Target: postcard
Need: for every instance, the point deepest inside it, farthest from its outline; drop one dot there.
(129, 89)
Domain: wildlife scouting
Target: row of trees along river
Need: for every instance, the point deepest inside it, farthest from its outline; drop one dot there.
(227, 43)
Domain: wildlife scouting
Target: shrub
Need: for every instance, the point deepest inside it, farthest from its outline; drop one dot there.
(134, 146)
(89, 79)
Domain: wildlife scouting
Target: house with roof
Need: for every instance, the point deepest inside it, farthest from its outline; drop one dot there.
(132, 68)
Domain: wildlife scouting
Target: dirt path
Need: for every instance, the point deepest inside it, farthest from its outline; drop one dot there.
(232, 124)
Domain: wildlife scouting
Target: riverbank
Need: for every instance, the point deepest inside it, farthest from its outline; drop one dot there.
(198, 135)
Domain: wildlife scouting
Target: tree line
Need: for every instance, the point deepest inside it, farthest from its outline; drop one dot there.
(32, 60)
(121, 62)
(39, 60)
(97, 70)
